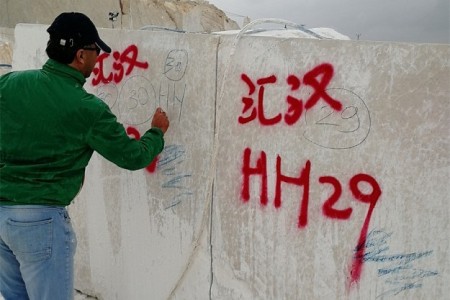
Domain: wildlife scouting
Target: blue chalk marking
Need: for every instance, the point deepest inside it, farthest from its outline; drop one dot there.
(405, 258)
(396, 291)
(168, 164)
(401, 274)
(174, 182)
(178, 198)
(171, 154)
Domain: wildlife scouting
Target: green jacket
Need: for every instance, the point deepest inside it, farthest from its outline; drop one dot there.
(49, 128)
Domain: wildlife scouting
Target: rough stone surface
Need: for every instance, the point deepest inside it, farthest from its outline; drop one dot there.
(80, 296)
(191, 16)
(198, 227)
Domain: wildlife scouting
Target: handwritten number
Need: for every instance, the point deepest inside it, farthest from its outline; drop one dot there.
(319, 122)
(327, 208)
(371, 199)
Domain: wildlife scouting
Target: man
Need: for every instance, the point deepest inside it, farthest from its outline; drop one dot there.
(49, 128)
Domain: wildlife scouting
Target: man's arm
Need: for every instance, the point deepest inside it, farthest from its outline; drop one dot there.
(109, 138)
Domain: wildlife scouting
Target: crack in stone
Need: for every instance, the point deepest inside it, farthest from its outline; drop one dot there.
(79, 295)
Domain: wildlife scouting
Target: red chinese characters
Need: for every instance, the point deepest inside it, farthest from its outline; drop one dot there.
(124, 63)
(318, 78)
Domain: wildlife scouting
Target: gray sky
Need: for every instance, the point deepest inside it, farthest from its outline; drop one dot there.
(420, 21)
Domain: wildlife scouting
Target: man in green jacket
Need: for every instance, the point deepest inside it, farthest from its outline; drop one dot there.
(49, 128)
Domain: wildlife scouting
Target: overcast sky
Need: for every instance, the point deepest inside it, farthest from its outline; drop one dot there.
(422, 21)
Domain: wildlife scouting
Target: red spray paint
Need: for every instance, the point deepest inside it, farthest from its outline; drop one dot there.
(318, 78)
(124, 63)
(328, 207)
(133, 132)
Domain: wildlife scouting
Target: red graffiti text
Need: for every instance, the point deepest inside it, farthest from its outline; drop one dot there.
(259, 169)
(123, 65)
(318, 78)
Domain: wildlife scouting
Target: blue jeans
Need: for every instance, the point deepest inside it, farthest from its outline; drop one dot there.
(37, 246)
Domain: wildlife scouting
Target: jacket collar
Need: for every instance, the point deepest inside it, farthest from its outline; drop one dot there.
(64, 70)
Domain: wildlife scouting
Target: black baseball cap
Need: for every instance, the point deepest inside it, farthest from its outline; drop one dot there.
(73, 29)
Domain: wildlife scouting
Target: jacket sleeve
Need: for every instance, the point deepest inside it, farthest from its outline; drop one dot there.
(109, 138)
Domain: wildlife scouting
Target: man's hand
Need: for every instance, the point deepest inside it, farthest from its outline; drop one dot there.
(160, 120)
